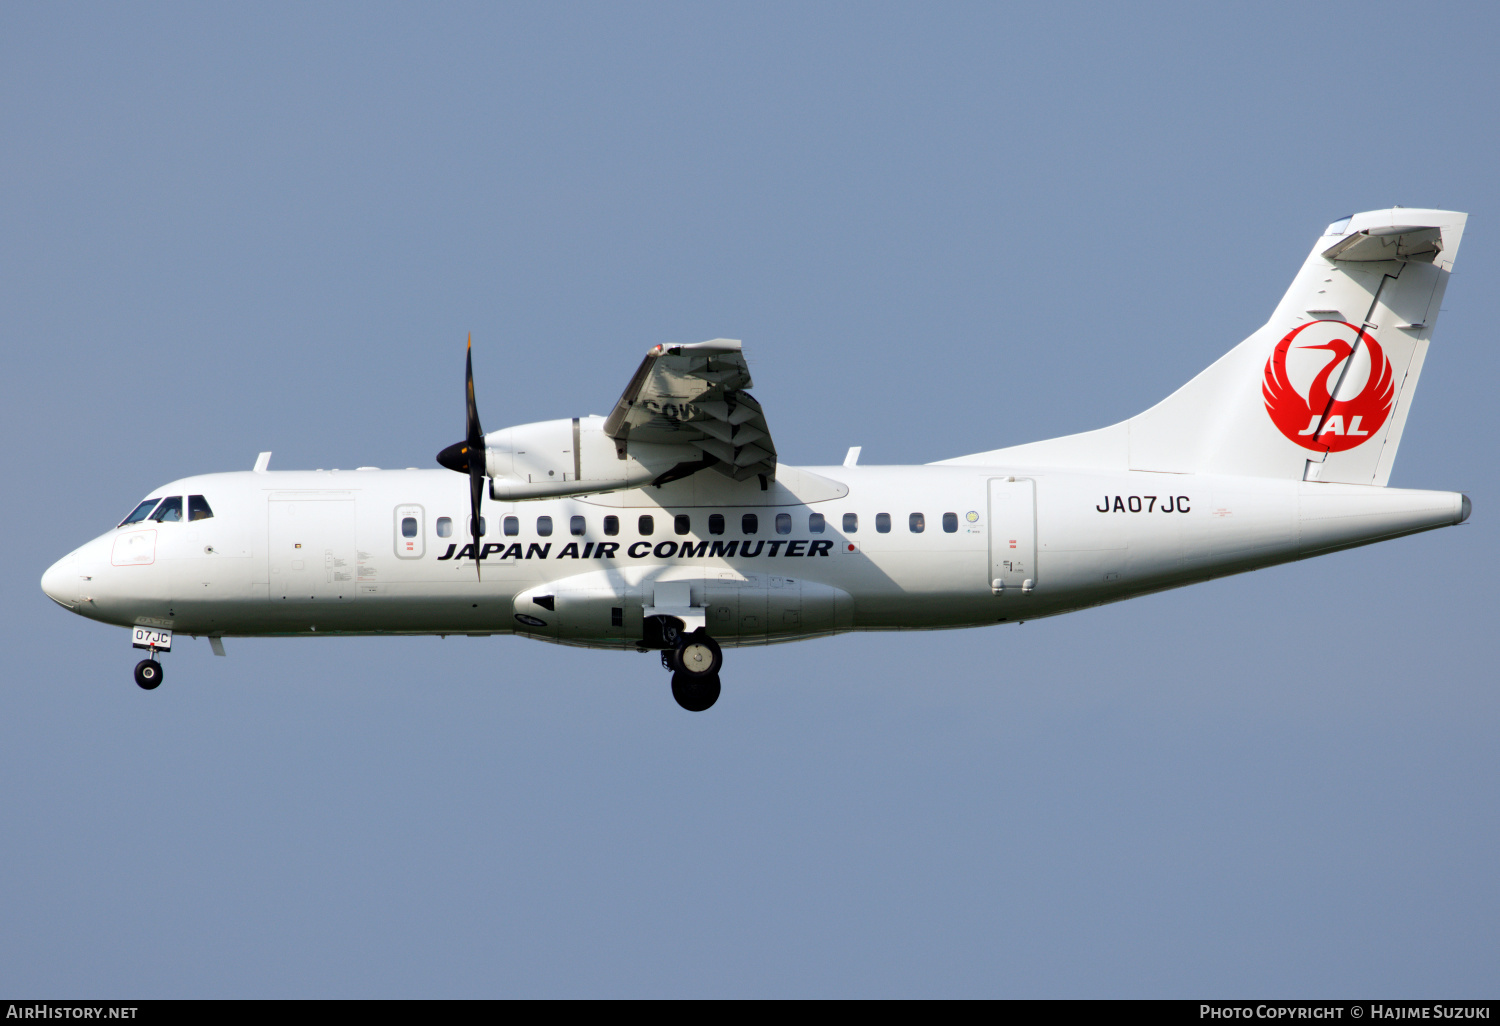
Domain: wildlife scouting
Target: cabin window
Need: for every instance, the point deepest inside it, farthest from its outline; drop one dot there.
(170, 511)
(646, 525)
(716, 523)
(445, 527)
(783, 523)
(851, 523)
(883, 523)
(511, 526)
(578, 526)
(139, 513)
(815, 523)
(544, 526)
(917, 523)
(198, 508)
(408, 527)
(950, 523)
(749, 523)
(611, 526)
(682, 523)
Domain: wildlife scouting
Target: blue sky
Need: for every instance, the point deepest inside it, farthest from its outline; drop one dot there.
(938, 230)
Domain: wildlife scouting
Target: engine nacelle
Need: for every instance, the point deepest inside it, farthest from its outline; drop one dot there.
(554, 458)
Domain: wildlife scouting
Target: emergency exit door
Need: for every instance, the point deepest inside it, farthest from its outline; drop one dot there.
(1012, 535)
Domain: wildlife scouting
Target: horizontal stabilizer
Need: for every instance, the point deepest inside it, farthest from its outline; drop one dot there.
(1402, 242)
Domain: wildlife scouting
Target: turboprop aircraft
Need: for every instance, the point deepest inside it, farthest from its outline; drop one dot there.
(671, 526)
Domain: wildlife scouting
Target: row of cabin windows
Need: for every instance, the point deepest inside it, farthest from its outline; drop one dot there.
(916, 523)
(169, 510)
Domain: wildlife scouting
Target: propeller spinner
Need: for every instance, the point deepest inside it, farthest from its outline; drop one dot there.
(467, 457)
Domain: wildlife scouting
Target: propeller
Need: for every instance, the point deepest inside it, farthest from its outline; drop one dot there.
(467, 457)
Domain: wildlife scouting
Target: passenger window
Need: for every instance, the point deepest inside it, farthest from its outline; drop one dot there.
(482, 526)
(445, 527)
(749, 523)
(170, 510)
(883, 523)
(682, 523)
(950, 523)
(611, 526)
(408, 527)
(815, 523)
(646, 525)
(783, 523)
(511, 526)
(544, 526)
(851, 523)
(917, 522)
(198, 508)
(716, 523)
(139, 513)
(578, 526)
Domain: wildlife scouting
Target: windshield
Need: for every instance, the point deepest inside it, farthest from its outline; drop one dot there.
(169, 511)
(139, 513)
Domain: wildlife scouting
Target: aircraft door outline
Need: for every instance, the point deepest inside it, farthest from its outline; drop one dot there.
(1012, 502)
(409, 531)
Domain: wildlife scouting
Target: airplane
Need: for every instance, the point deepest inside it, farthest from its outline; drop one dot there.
(671, 526)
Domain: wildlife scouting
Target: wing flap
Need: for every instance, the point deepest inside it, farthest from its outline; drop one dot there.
(696, 395)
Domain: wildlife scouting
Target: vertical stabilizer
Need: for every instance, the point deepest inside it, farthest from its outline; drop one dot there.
(1322, 391)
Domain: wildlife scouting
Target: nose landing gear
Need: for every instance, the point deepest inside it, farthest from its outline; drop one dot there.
(152, 640)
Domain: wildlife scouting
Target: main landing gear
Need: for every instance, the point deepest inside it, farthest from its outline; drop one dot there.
(695, 660)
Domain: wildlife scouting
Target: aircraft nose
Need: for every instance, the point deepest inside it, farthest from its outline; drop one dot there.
(60, 582)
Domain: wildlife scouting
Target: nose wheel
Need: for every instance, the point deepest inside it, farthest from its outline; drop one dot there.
(148, 674)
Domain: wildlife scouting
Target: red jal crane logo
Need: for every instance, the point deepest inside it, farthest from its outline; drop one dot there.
(1316, 420)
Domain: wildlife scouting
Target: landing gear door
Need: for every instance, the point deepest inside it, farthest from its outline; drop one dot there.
(1012, 535)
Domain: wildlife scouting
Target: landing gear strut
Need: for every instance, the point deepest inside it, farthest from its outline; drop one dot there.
(148, 673)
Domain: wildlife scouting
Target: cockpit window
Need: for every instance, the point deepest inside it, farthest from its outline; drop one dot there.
(139, 513)
(198, 508)
(170, 510)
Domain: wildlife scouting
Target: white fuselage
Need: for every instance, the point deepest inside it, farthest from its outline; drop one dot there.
(335, 552)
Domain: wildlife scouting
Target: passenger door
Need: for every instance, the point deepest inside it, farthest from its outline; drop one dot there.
(1012, 535)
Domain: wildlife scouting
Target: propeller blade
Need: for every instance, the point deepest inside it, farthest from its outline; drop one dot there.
(468, 456)
(474, 442)
(473, 433)
(476, 491)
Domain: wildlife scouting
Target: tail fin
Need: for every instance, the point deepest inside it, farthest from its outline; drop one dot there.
(1321, 391)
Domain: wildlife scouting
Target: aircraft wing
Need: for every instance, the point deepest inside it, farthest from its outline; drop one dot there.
(695, 395)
